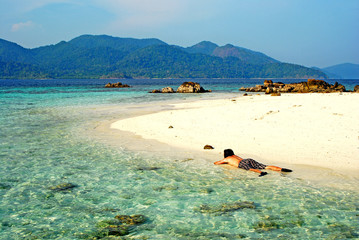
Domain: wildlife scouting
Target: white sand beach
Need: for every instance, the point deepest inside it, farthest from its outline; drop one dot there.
(319, 130)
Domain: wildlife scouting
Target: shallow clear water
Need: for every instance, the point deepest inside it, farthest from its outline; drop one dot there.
(42, 144)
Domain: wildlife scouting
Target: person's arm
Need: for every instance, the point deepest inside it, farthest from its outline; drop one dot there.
(223, 161)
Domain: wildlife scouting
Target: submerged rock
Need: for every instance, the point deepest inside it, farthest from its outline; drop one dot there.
(4, 186)
(225, 207)
(121, 225)
(63, 187)
(266, 226)
(208, 235)
(148, 168)
(131, 220)
(108, 228)
(116, 230)
(342, 231)
(166, 188)
(207, 190)
(287, 220)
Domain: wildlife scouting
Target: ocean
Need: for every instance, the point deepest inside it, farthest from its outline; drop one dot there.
(60, 180)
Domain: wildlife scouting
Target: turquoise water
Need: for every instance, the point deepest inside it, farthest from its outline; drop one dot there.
(43, 144)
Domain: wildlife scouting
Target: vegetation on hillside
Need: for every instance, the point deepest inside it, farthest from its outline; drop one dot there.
(110, 57)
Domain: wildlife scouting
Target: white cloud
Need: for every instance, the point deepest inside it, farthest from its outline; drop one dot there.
(22, 25)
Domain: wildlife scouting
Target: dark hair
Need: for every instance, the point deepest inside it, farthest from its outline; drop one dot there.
(228, 152)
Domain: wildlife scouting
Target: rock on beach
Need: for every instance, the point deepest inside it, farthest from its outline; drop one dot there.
(208, 147)
(167, 90)
(163, 90)
(311, 86)
(186, 87)
(190, 87)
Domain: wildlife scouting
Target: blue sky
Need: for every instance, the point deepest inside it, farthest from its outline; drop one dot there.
(307, 32)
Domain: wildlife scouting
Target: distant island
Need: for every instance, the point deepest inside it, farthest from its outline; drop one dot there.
(342, 71)
(102, 56)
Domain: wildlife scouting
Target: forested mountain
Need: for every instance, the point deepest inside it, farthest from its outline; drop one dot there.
(12, 52)
(344, 71)
(243, 54)
(91, 56)
(229, 50)
(204, 47)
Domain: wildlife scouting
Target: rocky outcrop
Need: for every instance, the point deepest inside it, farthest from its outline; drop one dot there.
(311, 85)
(186, 87)
(167, 90)
(116, 85)
(356, 88)
(156, 91)
(191, 87)
(163, 90)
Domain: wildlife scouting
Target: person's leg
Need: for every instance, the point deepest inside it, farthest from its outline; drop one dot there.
(274, 168)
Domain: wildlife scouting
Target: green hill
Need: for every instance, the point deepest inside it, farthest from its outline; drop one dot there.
(12, 52)
(204, 47)
(10, 70)
(243, 54)
(229, 50)
(90, 56)
(122, 44)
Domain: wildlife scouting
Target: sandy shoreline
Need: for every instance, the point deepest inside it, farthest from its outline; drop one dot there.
(304, 129)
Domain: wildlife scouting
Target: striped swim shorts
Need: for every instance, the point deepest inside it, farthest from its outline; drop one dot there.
(249, 163)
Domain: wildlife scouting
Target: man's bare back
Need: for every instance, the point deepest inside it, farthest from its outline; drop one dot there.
(233, 160)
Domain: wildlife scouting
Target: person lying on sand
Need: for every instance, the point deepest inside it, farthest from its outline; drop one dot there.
(247, 164)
